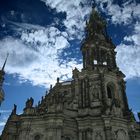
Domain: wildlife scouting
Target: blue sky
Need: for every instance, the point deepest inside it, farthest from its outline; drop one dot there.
(43, 39)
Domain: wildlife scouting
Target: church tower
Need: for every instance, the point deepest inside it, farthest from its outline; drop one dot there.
(97, 48)
(101, 83)
(100, 72)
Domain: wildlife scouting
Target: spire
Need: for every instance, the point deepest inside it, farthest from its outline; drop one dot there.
(2, 73)
(5, 62)
(96, 25)
(14, 110)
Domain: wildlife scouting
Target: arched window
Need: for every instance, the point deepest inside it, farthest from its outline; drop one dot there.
(121, 135)
(37, 137)
(110, 90)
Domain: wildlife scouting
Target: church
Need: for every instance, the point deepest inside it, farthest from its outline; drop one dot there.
(92, 106)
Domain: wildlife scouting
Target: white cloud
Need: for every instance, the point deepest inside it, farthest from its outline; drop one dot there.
(136, 11)
(134, 38)
(46, 46)
(2, 124)
(35, 56)
(5, 111)
(38, 60)
(3, 119)
(120, 14)
(128, 60)
(75, 15)
(25, 26)
(128, 57)
(20, 55)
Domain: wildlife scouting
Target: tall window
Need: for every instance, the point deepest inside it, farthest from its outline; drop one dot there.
(37, 137)
(110, 90)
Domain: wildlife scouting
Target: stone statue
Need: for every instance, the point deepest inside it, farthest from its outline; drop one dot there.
(116, 111)
(39, 103)
(117, 102)
(14, 110)
(115, 108)
(94, 91)
(29, 103)
(132, 117)
(75, 73)
(139, 115)
(57, 79)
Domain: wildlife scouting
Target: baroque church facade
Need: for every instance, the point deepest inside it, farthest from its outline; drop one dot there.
(92, 106)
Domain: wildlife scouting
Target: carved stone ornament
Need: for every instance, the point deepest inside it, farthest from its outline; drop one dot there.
(98, 135)
(94, 92)
(29, 103)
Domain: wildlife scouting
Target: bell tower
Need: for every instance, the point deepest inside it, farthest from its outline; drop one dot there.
(97, 48)
(101, 95)
(101, 78)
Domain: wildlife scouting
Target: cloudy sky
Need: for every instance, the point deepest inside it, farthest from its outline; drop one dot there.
(43, 40)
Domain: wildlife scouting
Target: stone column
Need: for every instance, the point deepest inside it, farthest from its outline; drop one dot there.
(103, 93)
(107, 128)
(87, 98)
(82, 93)
(84, 60)
(89, 134)
(84, 135)
(108, 133)
(79, 95)
(23, 135)
(58, 134)
(80, 135)
(10, 137)
(132, 135)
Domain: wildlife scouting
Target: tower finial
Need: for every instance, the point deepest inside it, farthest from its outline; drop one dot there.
(5, 62)
(57, 80)
(14, 110)
(93, 5)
